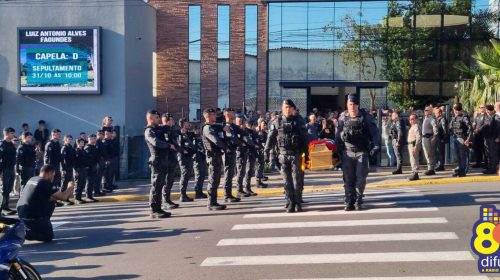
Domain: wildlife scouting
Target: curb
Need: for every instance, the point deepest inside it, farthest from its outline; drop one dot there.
(278, 191)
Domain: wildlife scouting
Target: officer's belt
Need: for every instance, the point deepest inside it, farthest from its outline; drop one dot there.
(428, 135)
(356, 150)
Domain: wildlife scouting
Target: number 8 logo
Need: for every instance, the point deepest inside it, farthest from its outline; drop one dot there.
(484, 232)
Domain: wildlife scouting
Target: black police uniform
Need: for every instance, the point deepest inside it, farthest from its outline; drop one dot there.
(200, 167)
(35, 208)
(99, 177)
(242, 153)
(187, 150)
(158, 162)
(359, 136)
(25, 162)
(232, 142)
(397, 133)
(107, 156)
(290, 135)
(170, 134)
(478, 140)
(442, 139)
(491, 132)
(67, 164)
(252, 149)
(461, 129)
(261, 144)
(93, 156)
(7, 170)
(212, 137)
(80, 167)
(53, 157)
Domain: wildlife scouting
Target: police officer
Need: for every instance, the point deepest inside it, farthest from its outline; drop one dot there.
(251, 157)
(231, 132)
(478, 137)
(242, 154)
(93, 156)
(442, 138)
(171, 134)
(461, 129)
(67, 161)
(397, 133)
(290, 134)
(429, 139)
(414, 146)
(98, 186)
(107, 155)
(357, 133)
(158, 147)
(7, 168)
(199, 165)
(261, 144)
(26, 158)
(80, 171)
(187, 150)
(491, 133)
(212, 137)
(52, 155)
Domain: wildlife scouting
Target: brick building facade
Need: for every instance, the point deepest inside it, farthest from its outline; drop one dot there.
(172, 66)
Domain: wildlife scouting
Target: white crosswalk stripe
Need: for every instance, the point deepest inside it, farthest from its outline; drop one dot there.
(320, 204)
(341, 258)
(341, 212)
(339, 238)
(399, 278)
(347, 223)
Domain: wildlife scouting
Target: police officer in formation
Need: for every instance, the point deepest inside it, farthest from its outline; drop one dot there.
(231, 138)
(170, 134)
(357, 133)
(478, 138)
(7, 168)
(442, 138)
(429, 138)
(461, 129)
(261, 144)
(187, 150)
(215, 147)
(290, 135)
(158, 162)
(199, 166)
(242, 155)
(414, 146)
(397, 134)
(68, 155)
(491, 133)
(25, 159)
(93, 157)
(81, 172)
(53, 155)
(252, 148)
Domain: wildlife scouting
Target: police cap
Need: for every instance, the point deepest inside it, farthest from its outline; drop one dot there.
(490, 107)
(229, 109)
(92, 136)
(353, 98)
(153, 112)
(26, 134)
(55, 130)
(290, 103)
(209, 110)
(457, 106)
(167, 115)
(9, 130)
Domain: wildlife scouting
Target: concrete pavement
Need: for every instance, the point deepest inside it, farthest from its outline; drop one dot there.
(406, 233)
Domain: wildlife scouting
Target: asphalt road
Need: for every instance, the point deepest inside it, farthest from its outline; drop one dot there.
(405, 233)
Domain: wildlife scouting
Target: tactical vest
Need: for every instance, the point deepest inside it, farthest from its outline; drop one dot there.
(288, 134)
(356, 131)
(459, 127)
(210, 147)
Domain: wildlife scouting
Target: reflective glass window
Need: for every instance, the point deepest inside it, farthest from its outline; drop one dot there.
(223, 56)
(194, 60)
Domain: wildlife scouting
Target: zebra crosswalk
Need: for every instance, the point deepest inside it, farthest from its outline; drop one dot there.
(403, 219)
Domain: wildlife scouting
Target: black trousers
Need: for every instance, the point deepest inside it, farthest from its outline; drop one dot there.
(214, 174)
(67, 176)
(229, 163)
(398, 151)
(200, 172)
(8, 176)
(26, 174)
(157, 185)
(441, 152)
(291, 173)
(40, 229)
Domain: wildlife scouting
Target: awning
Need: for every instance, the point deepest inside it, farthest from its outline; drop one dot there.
(336, 83)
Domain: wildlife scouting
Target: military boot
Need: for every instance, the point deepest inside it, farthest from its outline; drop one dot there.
(349, 207)
(397, 171)
(414, 177)
(291, 207)
(242, 193)
(260, 184)
(200, 195)
(185, 198)
(298, 207)
(232, 199)
(249, 191)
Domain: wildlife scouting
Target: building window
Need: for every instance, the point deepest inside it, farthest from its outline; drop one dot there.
(223, 56)
(194, 62)
(251, 57)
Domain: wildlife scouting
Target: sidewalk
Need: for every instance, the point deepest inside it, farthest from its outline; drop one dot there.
(315, 181)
